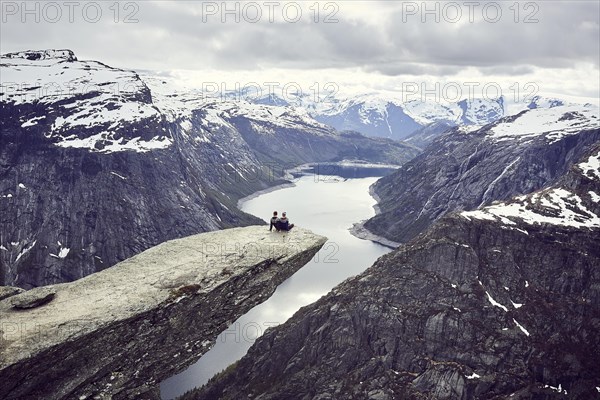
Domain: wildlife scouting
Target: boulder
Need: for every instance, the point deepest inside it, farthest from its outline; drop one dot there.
(7, 291)
(33, 298)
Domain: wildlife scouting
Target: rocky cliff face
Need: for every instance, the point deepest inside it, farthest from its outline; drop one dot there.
(464, 170)
(98, 164)
(502, 302)
(117, 333)
(427, 134)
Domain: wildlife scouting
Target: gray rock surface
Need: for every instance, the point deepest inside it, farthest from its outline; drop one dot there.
(427, 134)
(7, 291)
(498, 303)
(33, 298)
(118, 332)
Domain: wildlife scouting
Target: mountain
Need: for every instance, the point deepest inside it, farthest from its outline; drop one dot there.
(382, 115)
(500, 302)
(422, 137)
(98, 163)
(464, 169)
(287, 136)
(370, 115)
(279, 131)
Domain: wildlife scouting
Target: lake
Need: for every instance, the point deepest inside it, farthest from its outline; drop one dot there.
(327, 199)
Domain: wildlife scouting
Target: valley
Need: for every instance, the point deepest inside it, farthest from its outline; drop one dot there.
(131, 209)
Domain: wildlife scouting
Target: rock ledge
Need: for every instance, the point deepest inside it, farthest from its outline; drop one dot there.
(119, 332)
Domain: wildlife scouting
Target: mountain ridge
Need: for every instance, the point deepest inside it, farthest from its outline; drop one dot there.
(465, 169)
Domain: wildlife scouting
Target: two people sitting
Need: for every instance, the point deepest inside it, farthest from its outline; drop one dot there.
(280, 224)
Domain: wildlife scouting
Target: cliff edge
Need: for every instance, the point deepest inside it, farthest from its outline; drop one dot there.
(118, 332)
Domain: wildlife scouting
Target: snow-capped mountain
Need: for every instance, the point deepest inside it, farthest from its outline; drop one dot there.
(467, 168)
(278, 132)
(573, 202)
(370, 115)
(98, 164)
(86, 104)
(385, 115)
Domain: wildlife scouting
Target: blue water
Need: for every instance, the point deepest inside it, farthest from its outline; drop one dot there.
(327, 205)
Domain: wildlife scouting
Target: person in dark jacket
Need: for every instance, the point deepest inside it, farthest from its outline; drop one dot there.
(284, 223)
(274, 222)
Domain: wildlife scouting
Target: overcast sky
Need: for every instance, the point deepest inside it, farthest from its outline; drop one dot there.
(550, 47)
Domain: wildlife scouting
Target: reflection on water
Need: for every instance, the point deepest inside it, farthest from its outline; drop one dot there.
(326, 204)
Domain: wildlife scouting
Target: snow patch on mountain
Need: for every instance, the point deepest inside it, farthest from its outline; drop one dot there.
(555, 123)
(525, 331)
(63, 252)
(88, 115)
(495, 303)
(481, 111)
(555, 206)
(79, 94)
(426, 113)
(591, 168)
(115, 145)
(25, 251)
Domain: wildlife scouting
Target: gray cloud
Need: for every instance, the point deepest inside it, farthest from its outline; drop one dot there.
(565, 34)
(176, 35)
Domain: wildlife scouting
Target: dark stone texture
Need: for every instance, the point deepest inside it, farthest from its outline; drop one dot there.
(427, 134)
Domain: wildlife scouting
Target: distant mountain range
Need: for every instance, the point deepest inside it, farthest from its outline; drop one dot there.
(389, 116)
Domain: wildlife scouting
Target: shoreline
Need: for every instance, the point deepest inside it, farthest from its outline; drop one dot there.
(288, 173)
(357, 229)
(263, 191)
(376, 197)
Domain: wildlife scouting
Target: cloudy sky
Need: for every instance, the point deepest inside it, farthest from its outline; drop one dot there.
(520, 47)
